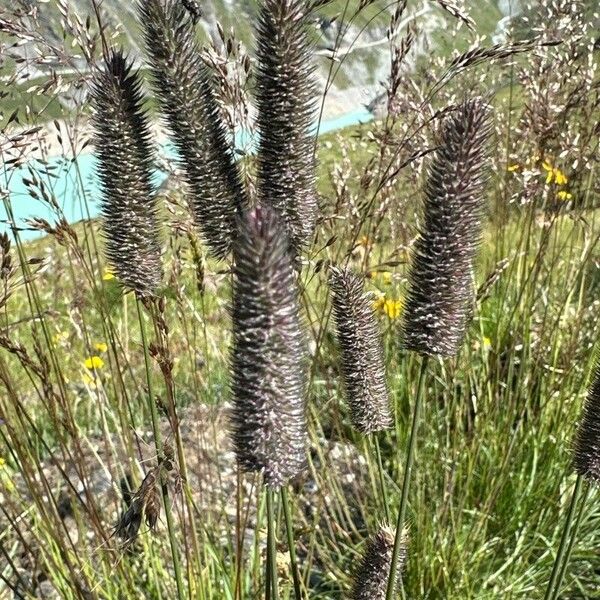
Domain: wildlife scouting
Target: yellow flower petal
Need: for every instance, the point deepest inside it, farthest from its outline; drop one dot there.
(487, 343)
(2, 462)
(393, 308)
(512, 168)
(94, 362)
(560, 177)
(108, 274)
(564, 195)
(101, 347)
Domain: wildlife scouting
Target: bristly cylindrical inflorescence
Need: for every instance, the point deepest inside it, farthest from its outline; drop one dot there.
(125, 167)
(440, 279)
(371, 576)
(586, 456)
(285, 94)
(184, 87)
(362, 362)
(268, 359)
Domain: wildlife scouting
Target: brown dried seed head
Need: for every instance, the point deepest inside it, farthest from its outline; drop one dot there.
(285, 91)
(268, 419)
(362, 363)
(371, 576)
(440, 278)
(586, 458)
(126, 162)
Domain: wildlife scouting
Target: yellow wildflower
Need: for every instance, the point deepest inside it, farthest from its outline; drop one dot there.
(487, 343)
(101, 347)
(512, 168)
(564, 195)
(388, 306)
(2, 462)
(554, 174)
(364, 241)
(108, 274)
(93, 362)
(393, 308)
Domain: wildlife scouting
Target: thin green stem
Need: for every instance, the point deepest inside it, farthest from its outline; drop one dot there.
(158, 444)
(557, 572)
(271, 550)
(410, 453)
(289, 527)
(563, 569)
(572, 539)
(384, 496)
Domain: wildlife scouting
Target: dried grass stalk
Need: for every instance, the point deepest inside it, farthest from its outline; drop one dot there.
(285, 93)
(441, 289)
(184, 86)
(363, 366)
(125, 166)
(268, 359)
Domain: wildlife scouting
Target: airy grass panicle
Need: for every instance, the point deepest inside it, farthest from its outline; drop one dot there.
(268, 419)
(362, 361)
(440, 293)
(125, 165)
(285, 98)
(184, 87)
(373, 571)
(586, 455)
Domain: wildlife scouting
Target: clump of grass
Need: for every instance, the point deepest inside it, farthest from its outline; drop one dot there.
(488, 460)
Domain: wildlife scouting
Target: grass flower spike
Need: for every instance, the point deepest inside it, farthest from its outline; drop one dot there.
(371, 577)
(285, 93)
(440, 293)
(125, 165)
(363, 366)
(586, 457)
(183, 84)
(268, 420)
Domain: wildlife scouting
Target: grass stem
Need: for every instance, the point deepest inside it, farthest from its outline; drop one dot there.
(558, 572)
(289, 526)
(410, 452)
(384, 496)
(574, 531)
(158, 444)
(271, 588)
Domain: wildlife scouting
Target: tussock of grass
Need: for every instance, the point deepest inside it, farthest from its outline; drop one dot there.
(492, 478)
